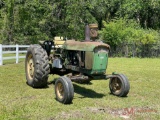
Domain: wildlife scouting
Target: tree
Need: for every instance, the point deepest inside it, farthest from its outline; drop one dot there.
(27, 21)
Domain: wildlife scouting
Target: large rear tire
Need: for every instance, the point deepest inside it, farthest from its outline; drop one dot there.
(119, 85)
(36, 66)
(64, 90)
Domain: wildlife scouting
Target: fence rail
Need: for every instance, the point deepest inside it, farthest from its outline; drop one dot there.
(15, 51)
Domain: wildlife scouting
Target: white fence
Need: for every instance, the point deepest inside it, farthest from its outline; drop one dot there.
(16, 52)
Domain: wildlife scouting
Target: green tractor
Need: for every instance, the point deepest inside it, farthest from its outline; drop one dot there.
(73, 61)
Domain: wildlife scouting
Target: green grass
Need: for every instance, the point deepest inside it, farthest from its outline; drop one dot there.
(18, 101)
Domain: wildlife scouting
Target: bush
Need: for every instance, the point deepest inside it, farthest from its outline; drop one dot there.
(127, 31)
(123, 32)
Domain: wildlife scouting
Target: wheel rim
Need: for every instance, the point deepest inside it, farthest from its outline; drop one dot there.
(116, 85)
(30, 66)
(60, 90)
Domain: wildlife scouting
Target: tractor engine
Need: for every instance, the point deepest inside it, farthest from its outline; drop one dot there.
(88, 57)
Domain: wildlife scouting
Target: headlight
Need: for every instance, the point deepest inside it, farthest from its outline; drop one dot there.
(49, 43)
(45, 43)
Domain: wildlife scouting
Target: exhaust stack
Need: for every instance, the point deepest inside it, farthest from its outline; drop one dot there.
(87, 33)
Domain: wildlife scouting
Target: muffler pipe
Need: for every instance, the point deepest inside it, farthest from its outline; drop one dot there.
(87, 33)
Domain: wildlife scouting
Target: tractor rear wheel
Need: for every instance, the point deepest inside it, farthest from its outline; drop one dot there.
(119, 85)
(64, 90)
(36, 66)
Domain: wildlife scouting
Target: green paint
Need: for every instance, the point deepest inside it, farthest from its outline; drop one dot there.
(100, 61)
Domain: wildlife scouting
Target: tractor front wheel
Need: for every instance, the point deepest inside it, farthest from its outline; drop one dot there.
(64, 90)
(119, 85)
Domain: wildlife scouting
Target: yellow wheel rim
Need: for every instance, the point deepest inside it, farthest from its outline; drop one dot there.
(116, 85)
(30, 66)
(60, 90)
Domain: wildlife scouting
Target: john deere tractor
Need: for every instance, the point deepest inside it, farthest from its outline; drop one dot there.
(78, 61)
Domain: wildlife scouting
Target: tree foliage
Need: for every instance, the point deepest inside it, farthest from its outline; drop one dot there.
(125, 21)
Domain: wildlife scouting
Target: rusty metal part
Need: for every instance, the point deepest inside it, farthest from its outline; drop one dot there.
(109, 76)
(93, 26)
(77, 78)
(88, 60)
(83, 46)
(72, 67)
(93, 31)
(79, 59)
(116, 84)
(87, 33)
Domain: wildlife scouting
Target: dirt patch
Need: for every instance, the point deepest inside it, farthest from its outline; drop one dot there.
(125, 113)
(98, 110)
(81, 114)
(65, 115)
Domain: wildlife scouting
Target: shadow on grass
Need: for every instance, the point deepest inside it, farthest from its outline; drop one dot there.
(117, 96)
(86, 92)
(44, 87)
(79, 82)
(51, 82)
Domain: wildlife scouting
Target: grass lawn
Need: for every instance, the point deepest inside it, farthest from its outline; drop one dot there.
(92, 101)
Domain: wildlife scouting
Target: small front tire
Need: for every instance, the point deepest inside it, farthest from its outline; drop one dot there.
(64, 90)
(119, 85)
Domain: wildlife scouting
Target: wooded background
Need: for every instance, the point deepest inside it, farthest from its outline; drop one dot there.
(128, 23)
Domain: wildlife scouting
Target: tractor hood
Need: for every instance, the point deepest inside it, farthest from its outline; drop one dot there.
(83, 46)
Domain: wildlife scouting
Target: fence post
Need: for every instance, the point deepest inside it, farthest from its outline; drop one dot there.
(17, 54)
(1, 55)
